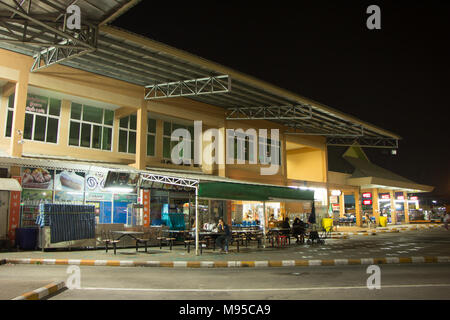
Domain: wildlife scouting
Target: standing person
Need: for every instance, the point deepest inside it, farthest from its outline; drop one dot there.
(368, 221)
(222, 240)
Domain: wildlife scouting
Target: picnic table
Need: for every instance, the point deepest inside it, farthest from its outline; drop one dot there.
(132, 234)
(278, 234)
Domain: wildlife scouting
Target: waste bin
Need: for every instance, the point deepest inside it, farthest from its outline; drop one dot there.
(26, 238)
(383, 221)
(327, 224)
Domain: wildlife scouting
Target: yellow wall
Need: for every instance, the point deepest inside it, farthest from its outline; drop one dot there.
(307, 164)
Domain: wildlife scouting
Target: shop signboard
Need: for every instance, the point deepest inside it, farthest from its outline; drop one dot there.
(146, 203)
(36, 196)
(69, 197)
(14, 212)
(95, 181)
(37, 178)
(335, 207)
(334, 199)
(385, 196)
(367, 195)
(367, 202)
(69, 181)
(36, 104)
(414, 198)
(98, 196)
(122, 180)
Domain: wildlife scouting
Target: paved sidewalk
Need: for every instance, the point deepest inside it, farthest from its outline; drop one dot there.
(419, 243)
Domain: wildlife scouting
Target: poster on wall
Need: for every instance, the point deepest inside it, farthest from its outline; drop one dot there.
(70, 181)
(69, 197)
(122, 180)
(14, 212)
(37, 178)
(36, 196)
(95, 181)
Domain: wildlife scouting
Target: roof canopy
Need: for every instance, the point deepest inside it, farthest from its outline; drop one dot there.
(9, 185)
(119, 54)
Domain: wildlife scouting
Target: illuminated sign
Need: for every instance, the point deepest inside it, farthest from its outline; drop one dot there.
(335, 192)
(367, 195)
(367, 202)
(415, 198)
(385, 196)
(400, 197)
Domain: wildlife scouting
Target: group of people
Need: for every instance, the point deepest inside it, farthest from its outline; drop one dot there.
(222, 240)
(298, 229)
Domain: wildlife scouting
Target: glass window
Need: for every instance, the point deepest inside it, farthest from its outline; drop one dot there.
(39, 128)
(168, 145)
(150, 145)
(131, 142)
(76, 111)
(124, 122)
(123, 141)
(96, 126)
(52, 130)
(41, 118)
(167, 128)
(92, 114)
(151, 125)
(85, 135)
(74, 135)
(133, 122)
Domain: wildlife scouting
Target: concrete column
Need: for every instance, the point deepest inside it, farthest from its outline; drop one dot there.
(141, 137)
(341, 205)
(358, 209)
(18, 123)
(406, 207)
(375, 206)
(393, 209)
(63, 139)
(222, 167)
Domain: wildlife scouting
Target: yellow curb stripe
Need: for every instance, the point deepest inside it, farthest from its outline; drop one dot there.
(250, 264)
(166, 264)
(354, 261)
(379, 260)
(87, 263)
(193, 264)
(61, 262)
(220, 264)
(328, 262)
(275, 263)
(301, 263)
(430, 259)
(405, 260)
(111, 263)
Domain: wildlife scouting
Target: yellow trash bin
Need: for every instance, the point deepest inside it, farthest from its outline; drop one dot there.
(327, 224)
(383, 221)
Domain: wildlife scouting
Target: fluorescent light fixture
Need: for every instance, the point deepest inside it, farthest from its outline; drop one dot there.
(335, 192)
(120, 190)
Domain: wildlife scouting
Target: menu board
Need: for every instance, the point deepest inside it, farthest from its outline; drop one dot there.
(121, 180)
(37, 178)
(66, 180)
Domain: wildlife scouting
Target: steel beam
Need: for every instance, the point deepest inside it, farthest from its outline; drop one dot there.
(60, 44)
(194, 87)
(369, 142)
(270, 113)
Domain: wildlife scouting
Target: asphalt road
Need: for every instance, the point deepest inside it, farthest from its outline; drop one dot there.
(424, 281)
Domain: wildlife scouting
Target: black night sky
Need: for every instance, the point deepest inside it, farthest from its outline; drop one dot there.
(396, 78)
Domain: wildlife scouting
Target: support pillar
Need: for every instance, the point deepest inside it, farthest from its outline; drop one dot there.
(341, 205)
(18, 123)
(376, 206)
(141, 137)
(393, 209)
(406, 207)
(358, 209)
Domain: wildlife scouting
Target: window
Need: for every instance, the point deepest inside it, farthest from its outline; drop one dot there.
(240, 140)
(151, 137)
(91, 127)
(127, 134)
(168, 145)
(41, 118)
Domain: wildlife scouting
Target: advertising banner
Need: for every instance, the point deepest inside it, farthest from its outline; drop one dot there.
(70, 181)
(14, 212)
(95, 181)
(146, 203)
(37, 178)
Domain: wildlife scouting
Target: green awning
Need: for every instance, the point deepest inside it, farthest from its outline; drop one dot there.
(252, 192)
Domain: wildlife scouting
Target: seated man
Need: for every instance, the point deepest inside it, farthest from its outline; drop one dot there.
(298, 230)
(222, 240)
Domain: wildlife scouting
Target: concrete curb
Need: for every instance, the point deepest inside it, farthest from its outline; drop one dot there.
(235, 264)
(43, 292)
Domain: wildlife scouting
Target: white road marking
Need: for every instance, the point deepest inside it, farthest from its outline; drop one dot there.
(264, 289)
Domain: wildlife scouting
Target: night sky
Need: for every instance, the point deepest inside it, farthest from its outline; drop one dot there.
(396, 78)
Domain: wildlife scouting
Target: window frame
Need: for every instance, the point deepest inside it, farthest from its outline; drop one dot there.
(127, 130)
(81, 121)
(172, 123)
(34, 114)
